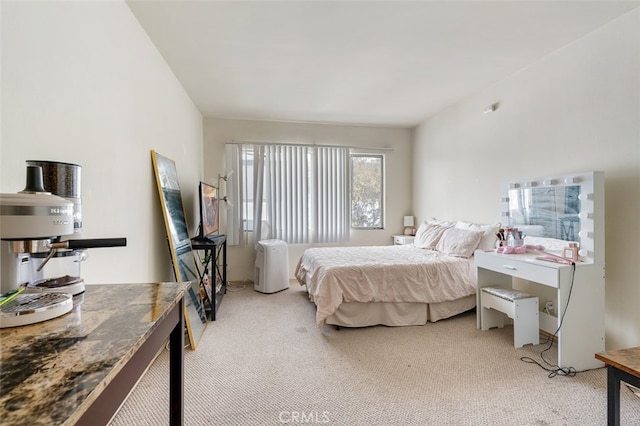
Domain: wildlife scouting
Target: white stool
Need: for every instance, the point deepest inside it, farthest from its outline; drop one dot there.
(522, 308)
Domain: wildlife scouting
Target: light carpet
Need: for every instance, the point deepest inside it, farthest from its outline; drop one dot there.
(265, 362)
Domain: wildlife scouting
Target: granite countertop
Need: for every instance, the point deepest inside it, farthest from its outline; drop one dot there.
(50, 372)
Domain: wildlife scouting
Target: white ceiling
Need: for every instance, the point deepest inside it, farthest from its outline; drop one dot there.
(389, 63)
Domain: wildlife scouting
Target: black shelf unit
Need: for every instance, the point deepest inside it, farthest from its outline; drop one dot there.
(215, 269)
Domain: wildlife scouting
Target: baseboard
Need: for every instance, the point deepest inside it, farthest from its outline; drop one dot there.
(545, 337)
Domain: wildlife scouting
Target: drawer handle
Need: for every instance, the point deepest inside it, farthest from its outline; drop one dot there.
(511, 268)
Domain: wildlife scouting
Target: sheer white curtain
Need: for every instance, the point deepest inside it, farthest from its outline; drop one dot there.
(236, 161)
(299, 194)
(258, 192)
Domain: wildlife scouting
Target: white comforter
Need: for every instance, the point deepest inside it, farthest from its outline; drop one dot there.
(399, 273)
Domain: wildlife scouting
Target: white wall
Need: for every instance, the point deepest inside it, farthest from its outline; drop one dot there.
(82, 83)
(576, 110)
(397, 168)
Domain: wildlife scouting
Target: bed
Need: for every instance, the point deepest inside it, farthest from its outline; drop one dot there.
(398, 285)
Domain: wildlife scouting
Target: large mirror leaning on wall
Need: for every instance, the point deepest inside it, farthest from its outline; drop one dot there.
(563, 208)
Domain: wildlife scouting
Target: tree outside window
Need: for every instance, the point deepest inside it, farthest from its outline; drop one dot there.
(367, 195)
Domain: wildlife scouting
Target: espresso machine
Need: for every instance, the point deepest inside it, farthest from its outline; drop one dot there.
(36, 258)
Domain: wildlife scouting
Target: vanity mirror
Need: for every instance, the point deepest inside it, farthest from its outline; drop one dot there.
(566, 208)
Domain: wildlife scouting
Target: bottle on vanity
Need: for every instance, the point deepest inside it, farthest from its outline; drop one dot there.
(571, 252)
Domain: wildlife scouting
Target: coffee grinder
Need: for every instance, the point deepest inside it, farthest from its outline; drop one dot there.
(63, 266)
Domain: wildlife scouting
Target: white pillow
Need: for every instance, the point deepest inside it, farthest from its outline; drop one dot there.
(428, 235)
(445, 223)
(488, 240)
(459, 242)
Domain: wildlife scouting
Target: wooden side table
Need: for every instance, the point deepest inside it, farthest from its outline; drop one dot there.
(622, 364)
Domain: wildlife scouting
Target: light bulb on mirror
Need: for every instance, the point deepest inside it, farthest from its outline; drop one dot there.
(584, 196)
(585, 215)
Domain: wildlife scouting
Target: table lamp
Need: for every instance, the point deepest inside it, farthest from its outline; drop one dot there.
(408, 226)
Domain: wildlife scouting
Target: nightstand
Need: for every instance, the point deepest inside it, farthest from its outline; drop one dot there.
(400, 240)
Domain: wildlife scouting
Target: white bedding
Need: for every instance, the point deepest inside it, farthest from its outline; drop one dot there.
(399, 273)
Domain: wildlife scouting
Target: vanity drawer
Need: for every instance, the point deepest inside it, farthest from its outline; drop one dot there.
(530, 271)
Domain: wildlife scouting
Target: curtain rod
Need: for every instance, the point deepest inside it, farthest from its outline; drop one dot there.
(367, 148)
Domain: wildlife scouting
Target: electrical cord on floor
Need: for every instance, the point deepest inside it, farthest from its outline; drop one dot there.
(554, 369)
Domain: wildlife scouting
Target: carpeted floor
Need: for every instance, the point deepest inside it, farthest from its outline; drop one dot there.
(265, 362)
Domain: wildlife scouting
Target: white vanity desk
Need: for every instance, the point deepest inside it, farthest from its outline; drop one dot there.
(546, 204)
(582, 332)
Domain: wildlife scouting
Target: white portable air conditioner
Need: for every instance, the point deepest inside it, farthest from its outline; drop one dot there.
(272, 266)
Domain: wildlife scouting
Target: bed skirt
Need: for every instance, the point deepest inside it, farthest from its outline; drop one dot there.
(361, 314)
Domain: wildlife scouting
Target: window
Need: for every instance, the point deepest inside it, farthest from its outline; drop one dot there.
(367, 194)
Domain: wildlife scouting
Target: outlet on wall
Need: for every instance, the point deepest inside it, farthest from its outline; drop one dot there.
(550, 308)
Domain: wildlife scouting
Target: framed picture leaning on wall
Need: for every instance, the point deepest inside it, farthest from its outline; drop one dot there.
(182, 258)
